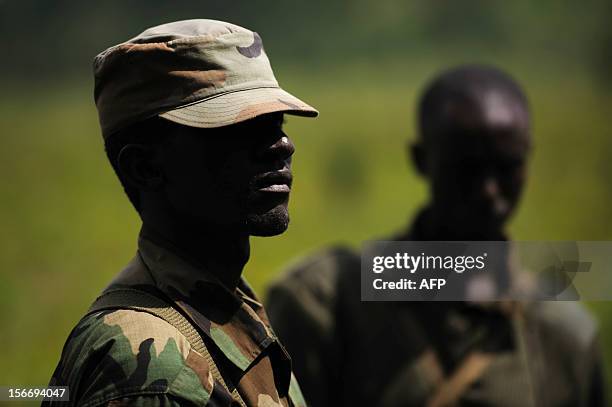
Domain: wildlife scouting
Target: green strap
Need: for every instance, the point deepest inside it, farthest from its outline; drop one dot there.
(137, 300)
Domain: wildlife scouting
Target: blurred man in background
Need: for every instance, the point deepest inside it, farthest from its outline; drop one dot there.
(192, 119)
(473, 145)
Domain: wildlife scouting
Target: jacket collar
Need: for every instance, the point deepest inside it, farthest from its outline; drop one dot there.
(234, 320)
(520, 284)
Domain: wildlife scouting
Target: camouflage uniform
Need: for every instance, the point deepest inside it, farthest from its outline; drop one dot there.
(192, 341)
(127, 357)
(348, 352)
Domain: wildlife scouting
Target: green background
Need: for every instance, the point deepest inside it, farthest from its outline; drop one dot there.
(67, 227)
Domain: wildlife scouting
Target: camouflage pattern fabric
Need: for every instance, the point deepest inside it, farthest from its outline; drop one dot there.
(346, 352)
(199, 73)
(129, 357)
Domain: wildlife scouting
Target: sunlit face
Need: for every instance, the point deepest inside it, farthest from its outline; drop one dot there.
(237, 176)
(477, 163)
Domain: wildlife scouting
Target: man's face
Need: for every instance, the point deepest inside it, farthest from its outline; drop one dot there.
(477, 163)
(235, 177)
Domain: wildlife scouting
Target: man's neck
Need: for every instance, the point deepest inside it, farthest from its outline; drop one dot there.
(428, 226)
(215, 250)
(432, 226)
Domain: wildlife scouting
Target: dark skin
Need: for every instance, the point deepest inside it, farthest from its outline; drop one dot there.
(204, 192)
(474, 156)
(473, 150)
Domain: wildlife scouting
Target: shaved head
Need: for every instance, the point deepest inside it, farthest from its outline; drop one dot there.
(471, 97)
(473, 144)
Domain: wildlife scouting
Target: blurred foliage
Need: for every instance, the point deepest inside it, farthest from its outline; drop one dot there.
(47, 39)
(67, 228)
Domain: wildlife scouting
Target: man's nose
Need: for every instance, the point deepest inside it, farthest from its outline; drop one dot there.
(280, 149)
(490, 188)
(493, 194)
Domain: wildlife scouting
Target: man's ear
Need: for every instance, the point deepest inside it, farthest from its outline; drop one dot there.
(418, 153)
(139, 166)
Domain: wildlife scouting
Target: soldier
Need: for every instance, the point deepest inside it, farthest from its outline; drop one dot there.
(473, 145)
(191, 116)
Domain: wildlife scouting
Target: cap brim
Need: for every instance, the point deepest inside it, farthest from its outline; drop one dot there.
(238, 106)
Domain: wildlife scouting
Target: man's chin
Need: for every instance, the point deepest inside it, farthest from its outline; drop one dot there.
(271, 223)
(484, 229)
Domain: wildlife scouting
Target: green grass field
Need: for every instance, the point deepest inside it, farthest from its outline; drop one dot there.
(67, 228)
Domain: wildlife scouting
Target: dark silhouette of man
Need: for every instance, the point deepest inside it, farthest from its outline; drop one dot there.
(473, 146)
(192, 118)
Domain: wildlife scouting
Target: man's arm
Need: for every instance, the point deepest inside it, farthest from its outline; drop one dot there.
(148, 401)
(595, 379)
(301, 306)
(128, 357)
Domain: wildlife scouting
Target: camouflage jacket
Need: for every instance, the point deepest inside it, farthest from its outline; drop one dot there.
(347, 352)
(128, 357)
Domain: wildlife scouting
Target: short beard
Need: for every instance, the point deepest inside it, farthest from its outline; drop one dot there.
(271, 223)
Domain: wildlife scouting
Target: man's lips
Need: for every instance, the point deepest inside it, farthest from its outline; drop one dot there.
(281, 188)
(274, 181)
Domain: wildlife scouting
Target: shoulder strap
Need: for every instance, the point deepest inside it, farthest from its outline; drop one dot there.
(450, 391)
(137, 300)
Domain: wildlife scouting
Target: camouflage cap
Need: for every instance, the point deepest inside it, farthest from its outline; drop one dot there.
(199, 73)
